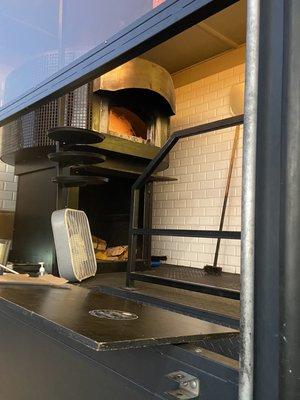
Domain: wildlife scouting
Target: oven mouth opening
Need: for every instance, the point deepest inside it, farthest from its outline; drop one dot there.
(125, 122)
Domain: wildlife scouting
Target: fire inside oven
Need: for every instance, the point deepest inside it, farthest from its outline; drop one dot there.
(126, 123)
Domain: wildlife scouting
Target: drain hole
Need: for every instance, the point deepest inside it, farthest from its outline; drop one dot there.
(113, 314)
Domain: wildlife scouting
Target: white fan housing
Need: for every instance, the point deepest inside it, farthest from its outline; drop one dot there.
(73, 243)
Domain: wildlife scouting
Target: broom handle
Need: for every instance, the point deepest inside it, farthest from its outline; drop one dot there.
(233, 152)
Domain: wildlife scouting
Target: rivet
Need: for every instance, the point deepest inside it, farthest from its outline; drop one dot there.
(193, 384)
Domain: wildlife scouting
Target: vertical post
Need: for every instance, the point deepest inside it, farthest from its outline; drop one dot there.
(147, 223)
(268, 244)
(132, 243)
(61, 193)
(248, 203)
(289, 329)
(60, 34)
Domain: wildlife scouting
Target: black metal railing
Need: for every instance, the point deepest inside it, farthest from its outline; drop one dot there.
(135, 230)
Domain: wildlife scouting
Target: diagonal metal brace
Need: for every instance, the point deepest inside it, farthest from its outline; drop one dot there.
(188, 388)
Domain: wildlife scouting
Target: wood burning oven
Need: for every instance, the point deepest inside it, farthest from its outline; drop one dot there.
(135, 101)
(131, 106)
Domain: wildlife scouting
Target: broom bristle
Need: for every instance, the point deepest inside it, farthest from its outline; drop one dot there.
(211, 270)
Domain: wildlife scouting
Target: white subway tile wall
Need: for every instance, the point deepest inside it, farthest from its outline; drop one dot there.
(201, 166)
(8, 186)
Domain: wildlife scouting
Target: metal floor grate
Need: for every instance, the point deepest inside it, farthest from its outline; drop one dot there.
(226, 346)
(196, 275)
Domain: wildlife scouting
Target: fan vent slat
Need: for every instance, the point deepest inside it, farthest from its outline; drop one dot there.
(74, 247)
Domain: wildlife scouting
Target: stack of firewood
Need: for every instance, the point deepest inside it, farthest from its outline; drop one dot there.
(102, 252)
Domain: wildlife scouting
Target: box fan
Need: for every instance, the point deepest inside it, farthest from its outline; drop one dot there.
(73, 243)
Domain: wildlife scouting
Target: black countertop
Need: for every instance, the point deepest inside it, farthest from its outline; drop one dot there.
(64, 314)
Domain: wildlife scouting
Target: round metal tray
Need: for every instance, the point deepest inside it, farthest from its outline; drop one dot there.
(68, 158)
(79, 180)
(70, 135)
(82, 147)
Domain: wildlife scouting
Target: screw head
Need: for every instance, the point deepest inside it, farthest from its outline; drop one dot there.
(193, 384)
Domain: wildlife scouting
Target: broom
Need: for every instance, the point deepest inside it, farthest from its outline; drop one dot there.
(214, 269)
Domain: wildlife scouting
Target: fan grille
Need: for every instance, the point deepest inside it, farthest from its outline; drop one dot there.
(81, 245)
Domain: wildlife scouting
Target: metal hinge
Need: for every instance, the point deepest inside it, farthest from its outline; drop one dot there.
(189, 385)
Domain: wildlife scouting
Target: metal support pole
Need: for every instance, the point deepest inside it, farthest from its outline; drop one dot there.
(61, 192)
(248, 203)
(268, 209)
(132, 244)
(147, 224)
(289, 300)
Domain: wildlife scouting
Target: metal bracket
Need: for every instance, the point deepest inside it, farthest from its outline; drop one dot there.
(189, 385)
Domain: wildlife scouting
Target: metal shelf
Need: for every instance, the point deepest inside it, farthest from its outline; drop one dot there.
(136, 230)
(188, 233)
(186, 285)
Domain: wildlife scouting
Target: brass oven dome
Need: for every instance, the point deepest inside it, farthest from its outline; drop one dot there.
(140, 74)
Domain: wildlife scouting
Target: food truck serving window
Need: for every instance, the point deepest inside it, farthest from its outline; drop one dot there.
(50, 47)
